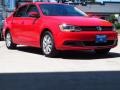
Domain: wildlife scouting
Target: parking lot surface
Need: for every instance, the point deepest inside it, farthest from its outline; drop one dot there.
(28, 59)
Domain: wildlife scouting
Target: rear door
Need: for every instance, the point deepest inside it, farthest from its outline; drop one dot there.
(18, 24)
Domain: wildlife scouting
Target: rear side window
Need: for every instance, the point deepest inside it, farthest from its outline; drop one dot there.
(21, 12)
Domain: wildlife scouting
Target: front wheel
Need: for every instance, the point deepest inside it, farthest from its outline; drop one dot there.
(9, 42)
(48, 45)
(102, 51)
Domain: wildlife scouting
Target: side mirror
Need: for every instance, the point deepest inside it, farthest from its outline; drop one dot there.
(33, 14)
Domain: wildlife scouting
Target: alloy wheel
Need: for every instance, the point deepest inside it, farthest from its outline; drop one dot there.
(8, 39)
(9, 42)
(47, 44)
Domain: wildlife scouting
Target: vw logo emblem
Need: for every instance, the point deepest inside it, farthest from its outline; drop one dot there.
(99, 28)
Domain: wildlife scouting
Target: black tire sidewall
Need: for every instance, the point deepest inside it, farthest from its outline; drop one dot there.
(1, 35)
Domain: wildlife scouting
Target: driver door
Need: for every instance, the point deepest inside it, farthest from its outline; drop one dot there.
(31, 33)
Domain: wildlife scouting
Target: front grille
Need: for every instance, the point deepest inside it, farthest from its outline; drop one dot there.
(89, 43)
(95, 28)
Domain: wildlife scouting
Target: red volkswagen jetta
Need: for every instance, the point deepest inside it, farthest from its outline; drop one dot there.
(58, 27)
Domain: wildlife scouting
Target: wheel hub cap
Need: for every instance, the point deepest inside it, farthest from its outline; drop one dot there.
(47, 44)
(8, 39)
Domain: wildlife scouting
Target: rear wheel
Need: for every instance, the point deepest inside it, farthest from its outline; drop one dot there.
(48, 45)
(1, 36)
(102, 51)
(9, 42)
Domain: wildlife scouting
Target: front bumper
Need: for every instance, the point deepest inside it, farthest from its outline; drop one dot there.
(85, 40)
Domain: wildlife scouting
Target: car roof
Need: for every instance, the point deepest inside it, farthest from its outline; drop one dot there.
(38, 3)
(45, 3)
(42, 3)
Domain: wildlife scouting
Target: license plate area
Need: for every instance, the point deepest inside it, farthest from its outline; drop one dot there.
(101, 39)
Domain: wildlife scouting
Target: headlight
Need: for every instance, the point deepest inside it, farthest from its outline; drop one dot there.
(70, 28)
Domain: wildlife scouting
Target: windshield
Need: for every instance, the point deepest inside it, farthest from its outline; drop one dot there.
(60, 10)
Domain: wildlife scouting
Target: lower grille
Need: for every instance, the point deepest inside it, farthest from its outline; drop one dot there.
(89, 43)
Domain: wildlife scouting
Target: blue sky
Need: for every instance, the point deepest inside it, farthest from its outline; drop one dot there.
(108, 0)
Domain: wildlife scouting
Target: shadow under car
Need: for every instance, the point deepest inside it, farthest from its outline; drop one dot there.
(85, 55)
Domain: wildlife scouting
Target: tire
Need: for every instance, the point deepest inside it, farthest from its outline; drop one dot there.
(48, 45)
(9, 42)
(102, 51)
(1, 36)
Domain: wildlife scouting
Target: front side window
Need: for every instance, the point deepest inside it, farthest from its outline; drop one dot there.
(21, 12)
(60, 10)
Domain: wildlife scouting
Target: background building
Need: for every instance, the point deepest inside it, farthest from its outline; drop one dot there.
(93, 7)
(103, 11)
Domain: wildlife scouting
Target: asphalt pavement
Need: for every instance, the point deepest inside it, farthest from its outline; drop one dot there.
(26, 68)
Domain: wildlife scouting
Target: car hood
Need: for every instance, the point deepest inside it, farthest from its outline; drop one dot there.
(81, 21)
